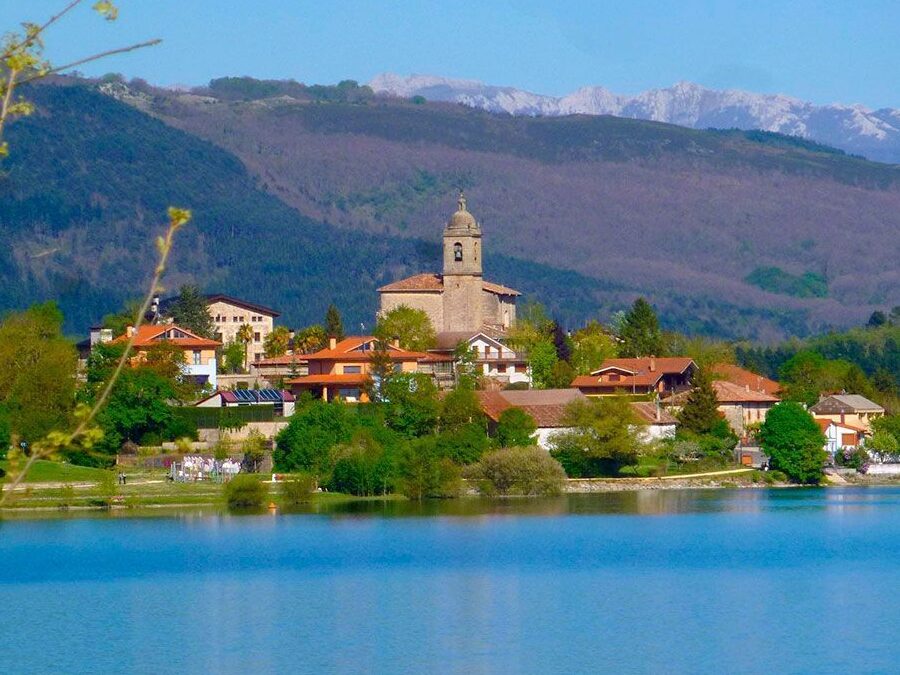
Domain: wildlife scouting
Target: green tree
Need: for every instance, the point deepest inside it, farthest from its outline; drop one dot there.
(542, 359)
(119, 322)
(37, 372)
(465, 444)
(381, 369)
(310, 339)
(334, 326)
(244, 336)
(465, 361)
(276, 343)
(561, 376)
(254, 448)
(794, 443)
(362, 467)
(410, 405)
(424, 473)
(246, 493)
(519, 471)
(458, 408)
(234, 354)
(700, 413)
(603, 437)
(411, 327)
(640, 332)
(305, 444)
(515, 427)
(884, 444)
(561, 342)
(808, 374)
(592, 345)
(189, 311)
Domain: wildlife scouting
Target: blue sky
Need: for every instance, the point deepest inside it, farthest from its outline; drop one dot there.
(841, 51)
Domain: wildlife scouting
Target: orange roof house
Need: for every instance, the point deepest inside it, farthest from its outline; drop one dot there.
(199, 352)
(343, 369)
(744, 378)
(740, 405)
(644, 375)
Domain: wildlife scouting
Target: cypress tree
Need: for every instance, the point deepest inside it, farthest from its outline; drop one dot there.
(334, 326)
(640, 331)
(700, 413)
(561, 343)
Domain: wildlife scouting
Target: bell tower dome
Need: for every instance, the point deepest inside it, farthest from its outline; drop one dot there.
(462, 242)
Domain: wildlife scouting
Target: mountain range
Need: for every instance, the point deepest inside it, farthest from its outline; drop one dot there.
(307, 195)
(874, 134)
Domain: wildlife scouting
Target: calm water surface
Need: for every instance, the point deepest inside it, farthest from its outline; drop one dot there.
(683, 581)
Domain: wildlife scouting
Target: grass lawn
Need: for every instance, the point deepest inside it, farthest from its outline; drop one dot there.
(45, 471)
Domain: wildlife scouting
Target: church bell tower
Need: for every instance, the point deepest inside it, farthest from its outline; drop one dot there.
(463, 286)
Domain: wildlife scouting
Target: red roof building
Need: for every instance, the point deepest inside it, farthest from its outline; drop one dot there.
(662, 375)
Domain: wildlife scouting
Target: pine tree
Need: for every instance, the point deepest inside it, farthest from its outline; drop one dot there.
(700, 413)
(189, 311)
(334, 326)
(640, 331)
(561, 342)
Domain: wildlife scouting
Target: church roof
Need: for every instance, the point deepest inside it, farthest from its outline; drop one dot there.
(434, 283)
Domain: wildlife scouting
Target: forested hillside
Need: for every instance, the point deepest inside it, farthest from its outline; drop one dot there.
(309, 195)
(84, 195)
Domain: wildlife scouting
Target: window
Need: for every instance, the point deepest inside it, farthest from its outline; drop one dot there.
(197, 355)
(235, 319)
(349, 394)
(352, 370)
(256, 337)
(614, 377)
(457, 252)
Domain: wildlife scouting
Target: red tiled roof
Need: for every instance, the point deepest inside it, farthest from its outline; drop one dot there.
(327, 378)
(647, 412)
(626, 382)
(742, 377)
(661, 364)
(547, 407)
(727, 392)
(149, 335)
(348, 350)
(825, 423)
(435, 283)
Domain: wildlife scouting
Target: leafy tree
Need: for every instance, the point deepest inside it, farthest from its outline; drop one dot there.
(705, 351)
(878, 318)
(592, 345)
(603, 437)
(794, 443)
(640, 332)
(310, 339)
(700, 413)
(465, 359)
(532, 325)
(362, 467)
(138, 405)
(276, 343)
(884, 444)
(5, 434)
(889, 424)
(244, 336)
(246, 493)
(234, 354)
(305, 444)
(254, 448)
(189, 311)
(334, 326)
(381, 369)
(561, 375)
(411, 327)
(519, 471)
(465, 444)
(37, 372)
(541, 360)
(410, 404)
(808, 374)
(459, 408)
(515, 427)
(424, 473)
(561, 342)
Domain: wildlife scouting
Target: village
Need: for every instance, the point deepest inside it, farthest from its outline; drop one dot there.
(451, 327)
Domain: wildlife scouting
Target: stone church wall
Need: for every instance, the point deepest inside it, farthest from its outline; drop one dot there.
(430, 303)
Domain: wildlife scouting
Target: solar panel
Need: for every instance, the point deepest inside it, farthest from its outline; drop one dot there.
(258, 395)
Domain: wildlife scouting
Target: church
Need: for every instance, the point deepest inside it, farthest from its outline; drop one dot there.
(459, 300)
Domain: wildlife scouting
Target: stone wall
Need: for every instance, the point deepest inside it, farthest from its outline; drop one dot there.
(429, 302)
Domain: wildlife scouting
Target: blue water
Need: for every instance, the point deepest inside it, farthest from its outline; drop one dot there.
(657, 582)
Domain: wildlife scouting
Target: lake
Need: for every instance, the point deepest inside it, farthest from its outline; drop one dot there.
(737, 581)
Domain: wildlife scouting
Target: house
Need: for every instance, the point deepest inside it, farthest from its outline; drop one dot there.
(228, 315)
(459, 299)
(740, 405)
(282, 401)
(546, 406)
(840, 436)
(494, 360)
(658, 423)
(343, 369)
(199, 352)
(852, 409)
(645, 375)
(728, 372)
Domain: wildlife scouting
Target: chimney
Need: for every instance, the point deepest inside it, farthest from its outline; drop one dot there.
(129, 331)
(332, 342)
(652, 363)
(747, 386)
(395, 343)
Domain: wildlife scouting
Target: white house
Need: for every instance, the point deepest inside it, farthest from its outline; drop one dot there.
(495, 360)
(546, 407)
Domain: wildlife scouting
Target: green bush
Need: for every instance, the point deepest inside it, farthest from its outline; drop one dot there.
(851, 458)
(776, 476)
(362, 467)
(297, 490)
(519, 471)
(423, 473)
(246, 493)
